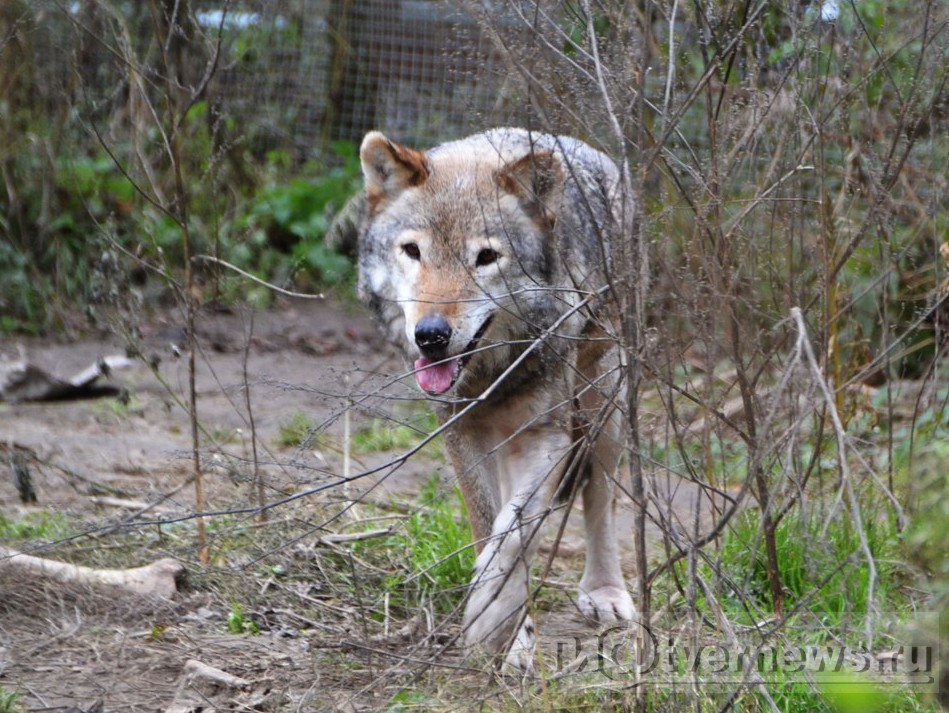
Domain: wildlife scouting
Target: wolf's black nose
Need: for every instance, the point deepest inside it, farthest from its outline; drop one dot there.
(432, 334)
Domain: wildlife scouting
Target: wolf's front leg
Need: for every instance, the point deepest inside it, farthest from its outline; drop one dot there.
(500, 587)
(603, 594)
(508, 461)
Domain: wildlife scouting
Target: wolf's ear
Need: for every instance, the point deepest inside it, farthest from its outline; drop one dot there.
(537, 179)
(389, 169)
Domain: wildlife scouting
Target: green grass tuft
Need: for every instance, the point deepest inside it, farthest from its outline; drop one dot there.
(39, 525)
(296, 431)
(431, 555)
(822, 566)
(381, 436)
(238, 623)
(9, 701)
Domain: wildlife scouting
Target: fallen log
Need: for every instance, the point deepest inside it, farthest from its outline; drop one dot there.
(159, 578)
(23, 381)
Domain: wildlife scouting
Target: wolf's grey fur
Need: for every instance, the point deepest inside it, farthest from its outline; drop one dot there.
(487, 260)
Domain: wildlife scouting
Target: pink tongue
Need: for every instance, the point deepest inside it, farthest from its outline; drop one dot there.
(437, 378)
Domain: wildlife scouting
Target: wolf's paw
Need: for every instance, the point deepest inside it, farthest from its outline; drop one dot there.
(606, 604)
(520, 657)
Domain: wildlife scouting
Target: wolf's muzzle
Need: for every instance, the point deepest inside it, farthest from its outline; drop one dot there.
(432, 335)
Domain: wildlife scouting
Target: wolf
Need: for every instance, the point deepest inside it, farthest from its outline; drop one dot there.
(487, 260)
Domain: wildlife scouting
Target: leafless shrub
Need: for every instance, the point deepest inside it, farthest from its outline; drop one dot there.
(783, 162)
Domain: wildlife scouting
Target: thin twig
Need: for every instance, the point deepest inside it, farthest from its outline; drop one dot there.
(254, 278)
(842, 463)
(248, 405)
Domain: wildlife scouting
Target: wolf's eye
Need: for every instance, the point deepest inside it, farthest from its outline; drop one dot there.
(487, 257)
(411, 249)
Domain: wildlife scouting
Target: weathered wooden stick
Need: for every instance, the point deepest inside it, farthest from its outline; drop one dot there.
(158, 578)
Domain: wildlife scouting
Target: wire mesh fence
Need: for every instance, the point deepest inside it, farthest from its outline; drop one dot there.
(288, 74)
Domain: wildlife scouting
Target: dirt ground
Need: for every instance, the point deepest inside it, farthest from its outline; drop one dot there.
(118, 470)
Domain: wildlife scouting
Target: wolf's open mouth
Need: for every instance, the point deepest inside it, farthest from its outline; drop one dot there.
(436, 376)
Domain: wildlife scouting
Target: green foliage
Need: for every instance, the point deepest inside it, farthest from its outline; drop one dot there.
(91, 184)
(21, 300)
(298, 214)
(9, 701)
(811, 553)
(382, 435)
(925, 538)
(843, 693)
(924, 542)
(405, 701)
(438, 536)
(861, 696)
(296, 430)
(70, 195)
(238, 623)
(39, 525)
(126, 405)
(921, 446)
(432, 551)
(68, 212)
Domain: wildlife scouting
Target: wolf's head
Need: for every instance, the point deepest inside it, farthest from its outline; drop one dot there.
(458, 252)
